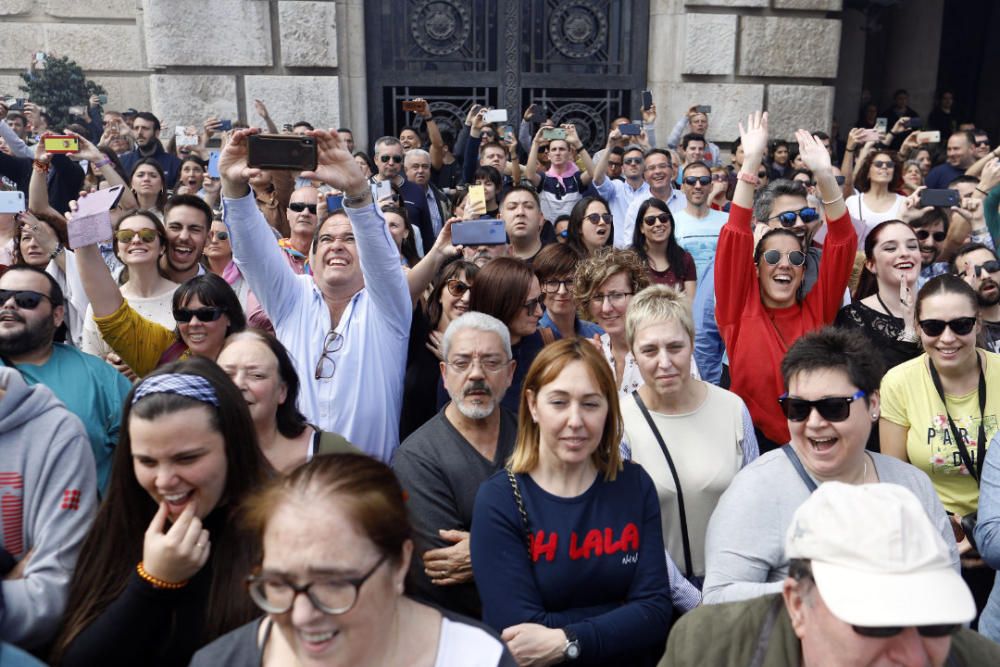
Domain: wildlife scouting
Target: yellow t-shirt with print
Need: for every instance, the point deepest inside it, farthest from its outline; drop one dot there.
(910, 400)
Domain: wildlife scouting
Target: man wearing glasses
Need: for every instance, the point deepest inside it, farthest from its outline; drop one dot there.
(870, 581)
(621, 193)
(978, 266)
(697, 225)
(442, 464)
(347, 324)
(389, 160)
(658, 170)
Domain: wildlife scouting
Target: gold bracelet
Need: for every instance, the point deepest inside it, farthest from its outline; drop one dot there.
(834, 200)
(158, 583)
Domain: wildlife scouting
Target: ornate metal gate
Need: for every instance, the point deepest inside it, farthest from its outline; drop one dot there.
(585, 60)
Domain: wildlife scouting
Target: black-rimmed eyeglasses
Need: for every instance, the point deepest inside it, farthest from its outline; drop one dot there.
(275, 594)
(326, 366)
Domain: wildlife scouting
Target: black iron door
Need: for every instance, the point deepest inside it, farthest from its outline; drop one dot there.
(585, 60)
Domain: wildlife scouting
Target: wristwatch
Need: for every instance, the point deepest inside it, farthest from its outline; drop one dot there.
(572, 649)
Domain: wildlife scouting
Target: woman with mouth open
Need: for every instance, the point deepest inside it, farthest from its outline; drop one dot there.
(336, 545)
(831, 400)
(162, 569)
(758, 274)
(939, 411)
(591, 226)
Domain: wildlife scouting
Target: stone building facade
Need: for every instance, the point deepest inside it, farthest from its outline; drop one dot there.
(188, 59)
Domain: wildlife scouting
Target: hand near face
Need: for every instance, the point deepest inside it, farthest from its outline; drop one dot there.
(179, 553)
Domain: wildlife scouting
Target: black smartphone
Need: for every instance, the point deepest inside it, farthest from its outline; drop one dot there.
(478, 232)
(537, 113)
(334, 203)
(939, 198)
(914, 123)
(647, 99)
(281, 151)
(225, 125)
(704, 108)
(630, 129)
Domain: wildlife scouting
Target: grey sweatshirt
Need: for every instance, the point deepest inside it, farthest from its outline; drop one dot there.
(48, 491)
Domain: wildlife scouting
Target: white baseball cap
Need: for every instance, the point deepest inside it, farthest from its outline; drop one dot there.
(876, 557)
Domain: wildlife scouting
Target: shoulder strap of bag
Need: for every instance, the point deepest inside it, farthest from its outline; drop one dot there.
(685, 540)
(975, 469)
(547, 336)
(333, 443)
(766, 629)
(799, 468)
(520, 509)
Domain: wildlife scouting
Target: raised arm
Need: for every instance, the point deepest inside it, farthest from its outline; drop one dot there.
(38, 187)
(421, 275)
(532, 165)
(581, 152)
(101, 289)
(433, 135)
(261, 110)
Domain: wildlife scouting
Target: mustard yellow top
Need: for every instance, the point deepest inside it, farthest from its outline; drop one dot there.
(138, 341)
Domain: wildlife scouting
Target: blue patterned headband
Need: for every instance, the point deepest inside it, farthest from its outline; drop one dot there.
(182, 384)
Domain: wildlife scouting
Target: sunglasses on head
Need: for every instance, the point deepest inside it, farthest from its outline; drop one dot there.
(960, 326)
(832, 409)
(795, 257)
(892, 631)
(145, 235)
(787, 219)
(456, 287)
(24, 298)
(398, 159)
(924, 234)
(703, 180)
(208, 314)
(651, 220)
(595, 218)
(299, 206)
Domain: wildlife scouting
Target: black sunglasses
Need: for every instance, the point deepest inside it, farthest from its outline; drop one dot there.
(787, 219)
(395, 158)
(595, 218)
(299, 206)
(209, 314)
(892, 631)
(833, 409)
(960, 326)
(795, 257)
(222, 236)
(691, 180)
(991, 266)
(923, 234)
(25, 299)
(651, 220)
(762, 175)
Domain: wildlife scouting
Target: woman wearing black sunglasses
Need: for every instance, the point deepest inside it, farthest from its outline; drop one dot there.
(939, 410)
(830, 403)
(879, 179)
(590, 226)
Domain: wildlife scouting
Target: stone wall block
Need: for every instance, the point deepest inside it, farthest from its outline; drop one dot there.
(726, 3)
(710, 44)
(788, 46)
(96, 47)
(730, 104)
(289, 99)
(118, 9)
(817, 5)
(792, 107)
(125, 92)
(10, 86)
(18, 41)
(227, 33)
(15, 7)
(188, 99)
(308, 33)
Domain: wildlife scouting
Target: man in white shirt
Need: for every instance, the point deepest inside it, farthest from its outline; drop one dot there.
(697, 225)
(621, 194)
(658, 170)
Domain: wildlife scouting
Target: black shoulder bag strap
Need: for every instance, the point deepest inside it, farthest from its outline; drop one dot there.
(685, 540)
(799, 468)
(963, 451)
(520, 509)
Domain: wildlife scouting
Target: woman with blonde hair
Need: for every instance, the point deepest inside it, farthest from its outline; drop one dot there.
(567, 548)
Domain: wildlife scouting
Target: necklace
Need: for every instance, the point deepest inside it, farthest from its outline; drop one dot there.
(878, 297)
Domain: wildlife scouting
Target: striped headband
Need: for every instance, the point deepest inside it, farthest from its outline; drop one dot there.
(182, 384)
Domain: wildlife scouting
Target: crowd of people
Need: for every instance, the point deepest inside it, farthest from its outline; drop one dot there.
(689, 407)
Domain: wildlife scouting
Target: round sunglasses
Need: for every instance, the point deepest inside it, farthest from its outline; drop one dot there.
(787, 219)
(924, 234)
(457, 288)
(795, 257)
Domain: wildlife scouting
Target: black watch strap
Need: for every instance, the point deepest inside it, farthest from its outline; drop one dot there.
(572, 649)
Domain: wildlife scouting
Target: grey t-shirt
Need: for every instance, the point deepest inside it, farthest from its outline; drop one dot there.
(441, 473)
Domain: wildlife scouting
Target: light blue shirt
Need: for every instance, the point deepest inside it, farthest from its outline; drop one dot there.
(620, 195)
(699, 236)
(363, 399)
(709, 350)
(988, 535)
(676, 203)
(436, 222)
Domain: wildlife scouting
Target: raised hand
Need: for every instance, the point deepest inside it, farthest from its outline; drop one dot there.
(233, 164)
(335, 164)
(261, 109)
(753, 136)
(649, 115)
(180, 552)
(990, 177)
(813, 153)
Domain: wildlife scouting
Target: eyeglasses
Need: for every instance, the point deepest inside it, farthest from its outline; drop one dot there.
(456, 287)
(534, 304)
(651, 220)
(24, 299)
(553, 286)
(787, 219)
(545, 149)
(145, 235)
(595, 218)
(299, 206)
(795, 257)
(924, 234)
(883, 164)
(960, 326)
(210, 314)
(632, 160)
(326, 366)
(221, 236)
(833, 409)
(762, 175)
(276, 595)
(398, 159)
(703, 180)
(719, 178)
(488, 364)
(614, 165)
(892, 631)
(616, 298)
(983, 142)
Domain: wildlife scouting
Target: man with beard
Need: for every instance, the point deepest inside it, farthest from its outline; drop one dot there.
(146, 128)
(978, 265)
(696, 226)
(187, 219)
(931, 226)
(442, 464)
(32, 308)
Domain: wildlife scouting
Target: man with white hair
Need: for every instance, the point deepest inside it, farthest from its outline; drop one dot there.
(417, 165)
(870, 582)
(442, 464)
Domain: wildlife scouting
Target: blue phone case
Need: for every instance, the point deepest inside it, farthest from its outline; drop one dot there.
(213, 164)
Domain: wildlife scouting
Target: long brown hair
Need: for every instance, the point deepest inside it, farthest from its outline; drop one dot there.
(114, 543)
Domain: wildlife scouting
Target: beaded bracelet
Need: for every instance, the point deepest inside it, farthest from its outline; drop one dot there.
(102, 163)
(158, 583)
